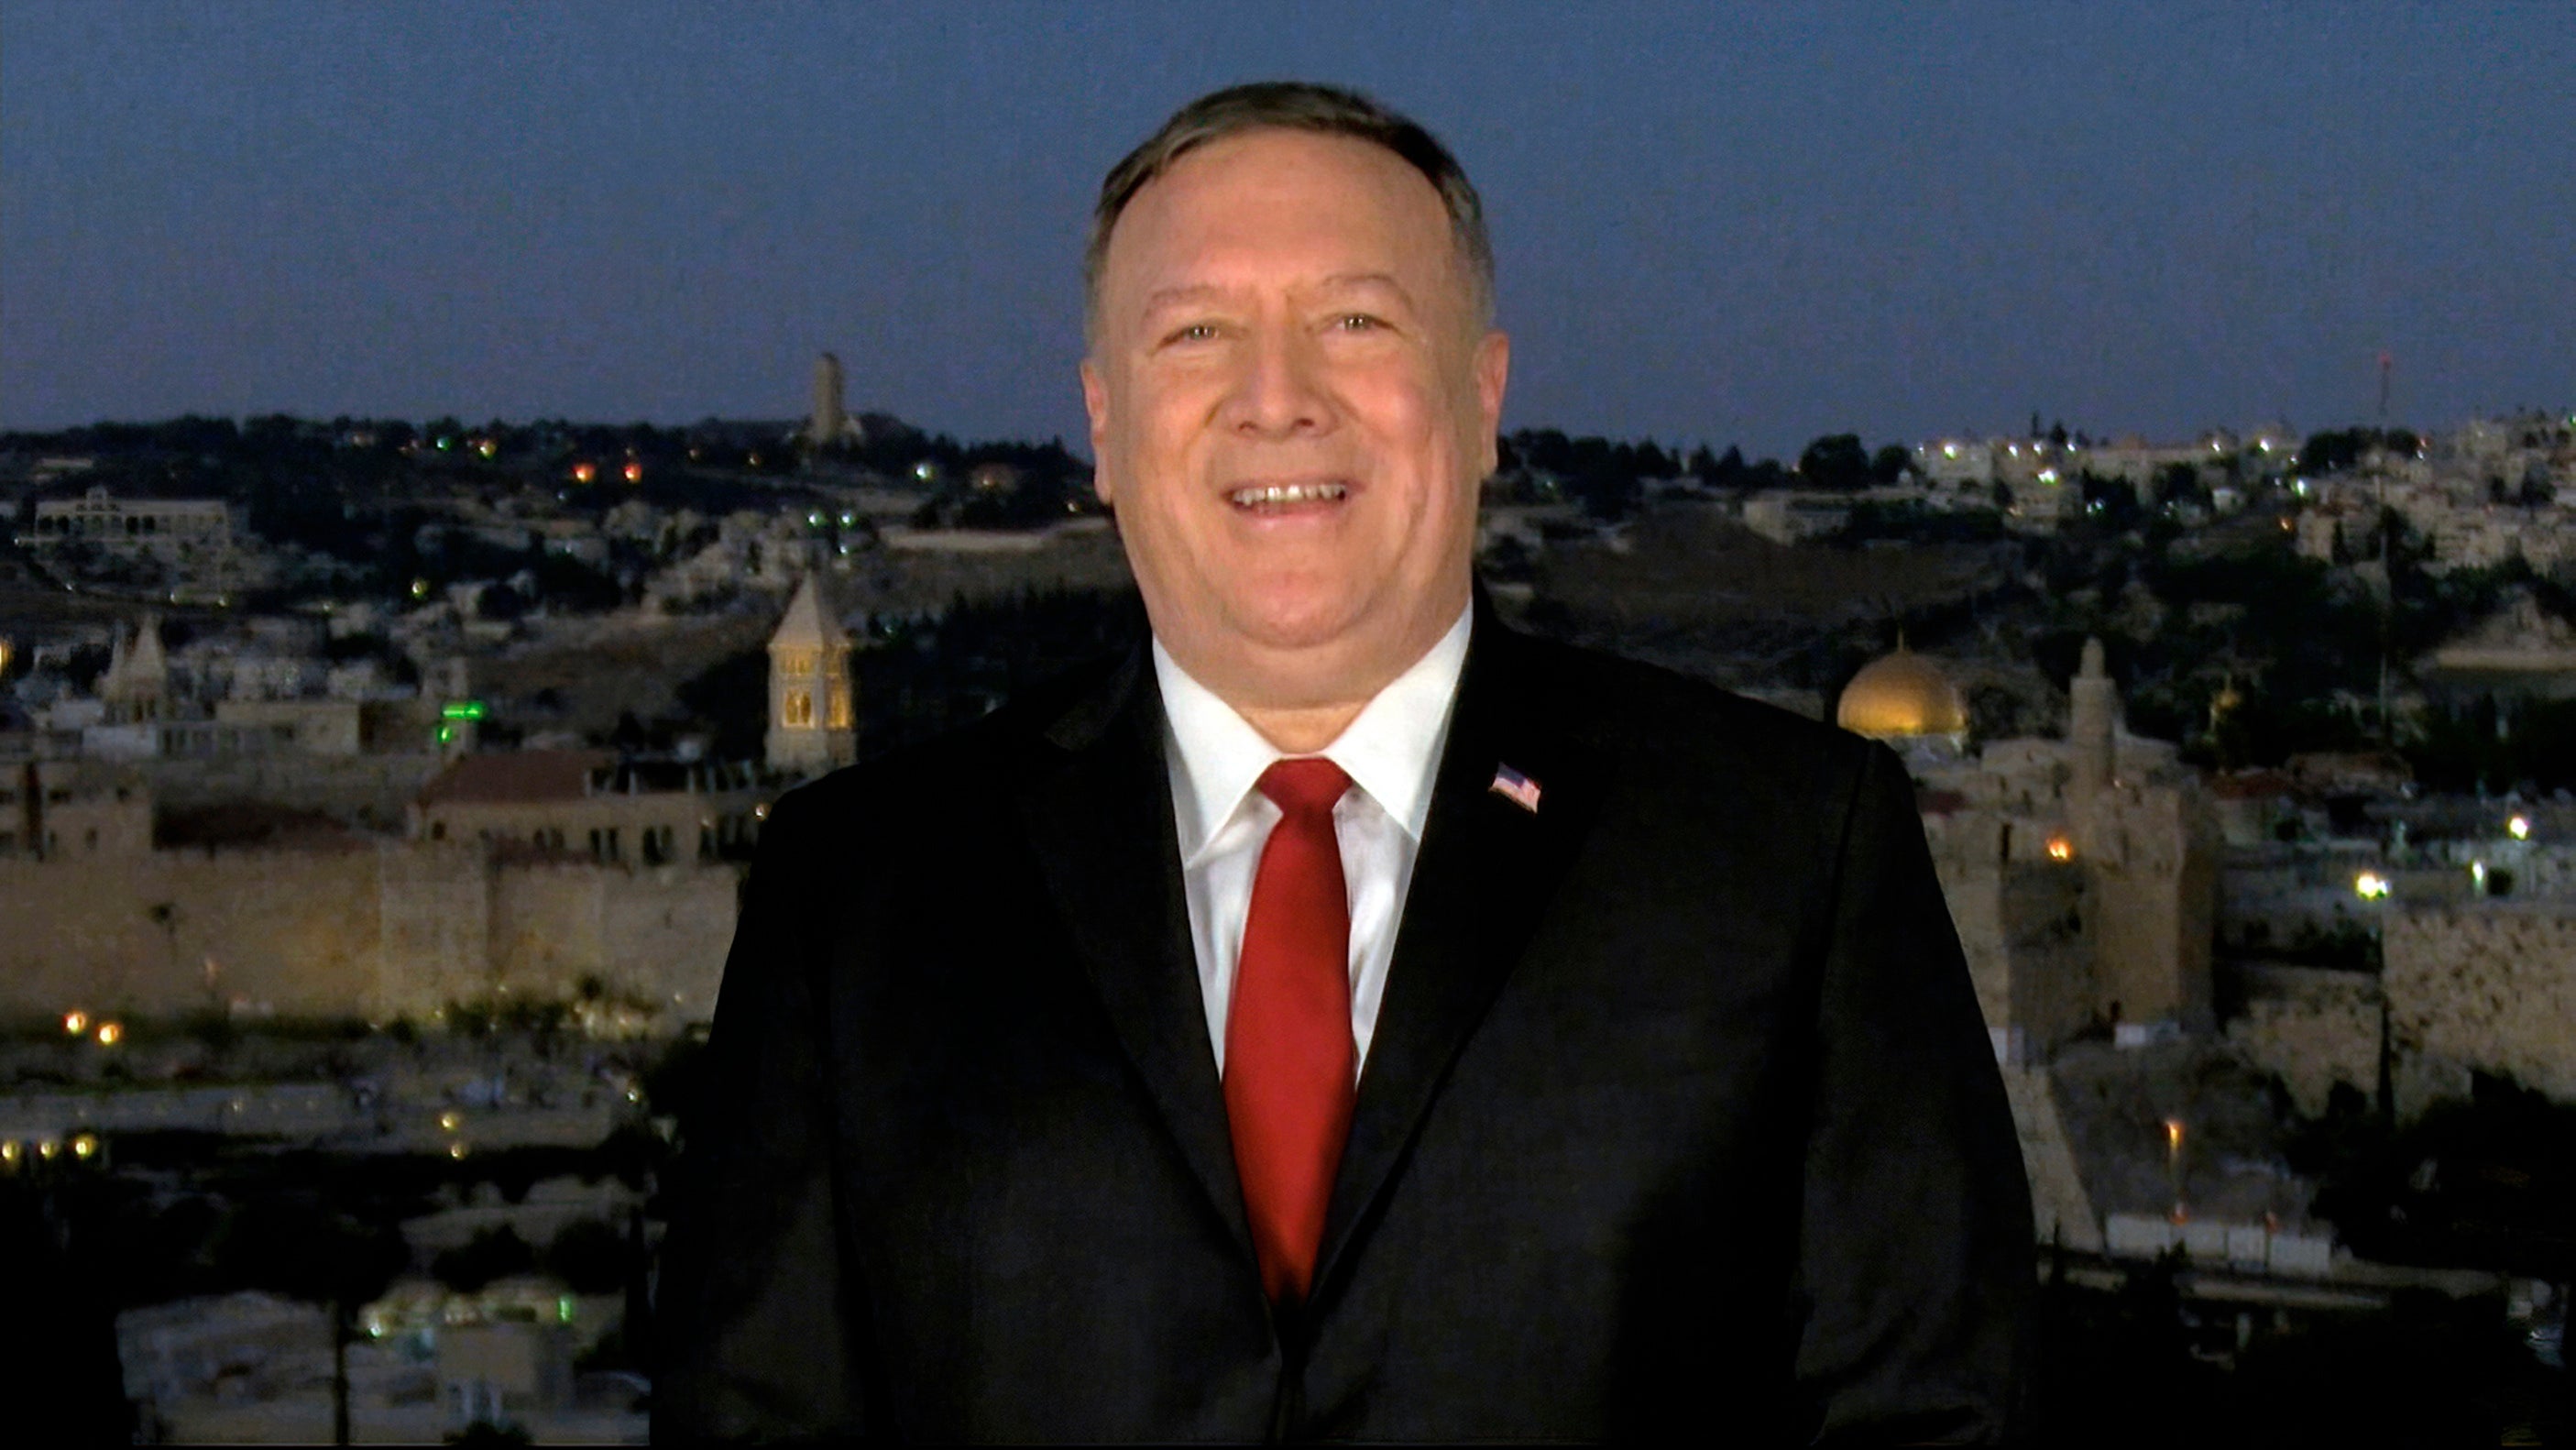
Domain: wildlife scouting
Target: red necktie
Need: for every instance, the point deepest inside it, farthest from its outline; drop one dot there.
(1288, 1051)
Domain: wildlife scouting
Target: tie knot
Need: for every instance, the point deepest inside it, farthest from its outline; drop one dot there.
(1306, 786)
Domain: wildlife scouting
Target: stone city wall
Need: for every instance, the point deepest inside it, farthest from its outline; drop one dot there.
(2311, 1028)
(166, 932)
(361, 929)
(2488, 986)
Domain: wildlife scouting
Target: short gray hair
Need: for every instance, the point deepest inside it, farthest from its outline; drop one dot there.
(1292, 106)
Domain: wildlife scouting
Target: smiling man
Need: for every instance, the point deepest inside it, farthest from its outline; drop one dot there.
(1342, 1017)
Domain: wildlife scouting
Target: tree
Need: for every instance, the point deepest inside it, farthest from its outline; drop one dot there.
(493, 1253)
(2177, 483)
(1890, 463)
(590, 1256)
(1835, 461)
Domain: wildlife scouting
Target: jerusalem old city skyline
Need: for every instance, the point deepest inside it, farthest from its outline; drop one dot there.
(463, 466)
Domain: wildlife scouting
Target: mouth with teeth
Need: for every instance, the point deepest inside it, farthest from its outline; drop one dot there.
(1283, 498)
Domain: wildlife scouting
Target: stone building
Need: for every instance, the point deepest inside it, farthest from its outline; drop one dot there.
(2081, 873)
(327, 922)
(135, 525)
(813, 707)
(588, 805)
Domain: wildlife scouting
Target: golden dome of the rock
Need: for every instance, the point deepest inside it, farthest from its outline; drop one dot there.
(1900, 695)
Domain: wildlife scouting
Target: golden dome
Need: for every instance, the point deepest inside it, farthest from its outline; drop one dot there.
(1899, 695)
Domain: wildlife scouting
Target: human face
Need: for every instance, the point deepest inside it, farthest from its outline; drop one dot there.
(1293, 402)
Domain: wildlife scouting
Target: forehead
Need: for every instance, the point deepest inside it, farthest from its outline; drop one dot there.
(1270, 205)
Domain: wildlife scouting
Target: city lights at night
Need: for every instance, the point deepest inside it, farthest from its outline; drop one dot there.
(704, 728)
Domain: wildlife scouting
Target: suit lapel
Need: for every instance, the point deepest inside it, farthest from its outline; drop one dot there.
(1101, 824)
(1485, 874)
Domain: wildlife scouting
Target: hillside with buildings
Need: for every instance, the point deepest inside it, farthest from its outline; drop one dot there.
(384, 792)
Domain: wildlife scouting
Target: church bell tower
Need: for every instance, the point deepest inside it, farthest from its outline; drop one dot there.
(813, 708)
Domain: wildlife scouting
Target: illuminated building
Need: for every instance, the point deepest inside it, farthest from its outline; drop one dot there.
(1901, 698)
(2081, 873)
(813, 722)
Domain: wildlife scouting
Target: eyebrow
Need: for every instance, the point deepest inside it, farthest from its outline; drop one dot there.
(1186, 295)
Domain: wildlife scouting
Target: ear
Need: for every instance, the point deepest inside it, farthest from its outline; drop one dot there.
(1095, 402)
(1493, 366)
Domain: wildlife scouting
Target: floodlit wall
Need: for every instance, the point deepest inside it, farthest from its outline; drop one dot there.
(2487, 986)
(373, 929)
(2311, 1028)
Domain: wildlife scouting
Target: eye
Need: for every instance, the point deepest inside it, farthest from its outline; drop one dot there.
(1193, 332)
(1358, 322)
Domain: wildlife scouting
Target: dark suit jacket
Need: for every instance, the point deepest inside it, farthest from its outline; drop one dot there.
(1679, 1115)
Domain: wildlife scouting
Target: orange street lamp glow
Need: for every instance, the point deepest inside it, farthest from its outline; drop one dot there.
(634, 472)
(110, 1033)
(85, 1146)
(76, 1024)
(2060, 849)
(584, 472)
(2173, 1135)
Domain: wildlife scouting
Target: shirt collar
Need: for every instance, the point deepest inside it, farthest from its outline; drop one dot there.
(1390, 749)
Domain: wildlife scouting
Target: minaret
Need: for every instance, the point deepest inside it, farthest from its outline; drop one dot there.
(823, 425)
(2093, 715)
(813, 709)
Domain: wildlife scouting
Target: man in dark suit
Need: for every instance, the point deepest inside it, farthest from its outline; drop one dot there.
(1343, 1017)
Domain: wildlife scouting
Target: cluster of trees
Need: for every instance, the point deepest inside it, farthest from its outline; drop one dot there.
(590, 1255)
(1608, 477)
(2336, 450)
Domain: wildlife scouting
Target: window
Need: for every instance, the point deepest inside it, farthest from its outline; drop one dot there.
(797, 708)
(840, 698)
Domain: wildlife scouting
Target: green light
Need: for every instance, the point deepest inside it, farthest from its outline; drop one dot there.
(563, 1309)
(462, 710)
(446, 734)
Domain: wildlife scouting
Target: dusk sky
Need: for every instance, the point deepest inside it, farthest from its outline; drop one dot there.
(1747, 224)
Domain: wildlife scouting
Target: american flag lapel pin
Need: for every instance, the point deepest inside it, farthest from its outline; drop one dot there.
(1515, 787)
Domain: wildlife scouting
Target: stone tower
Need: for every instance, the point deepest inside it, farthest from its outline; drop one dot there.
(136, 685)
(813, 708)
(823, 425)
(2093, 717)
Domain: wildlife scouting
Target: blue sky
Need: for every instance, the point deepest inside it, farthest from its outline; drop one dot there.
(1714, 223)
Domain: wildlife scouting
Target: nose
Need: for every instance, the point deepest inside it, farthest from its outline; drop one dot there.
(1279, 392)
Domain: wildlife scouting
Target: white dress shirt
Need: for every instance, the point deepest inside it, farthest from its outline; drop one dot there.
(1390, 752)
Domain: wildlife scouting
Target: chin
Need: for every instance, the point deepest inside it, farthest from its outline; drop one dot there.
(1297, 618)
